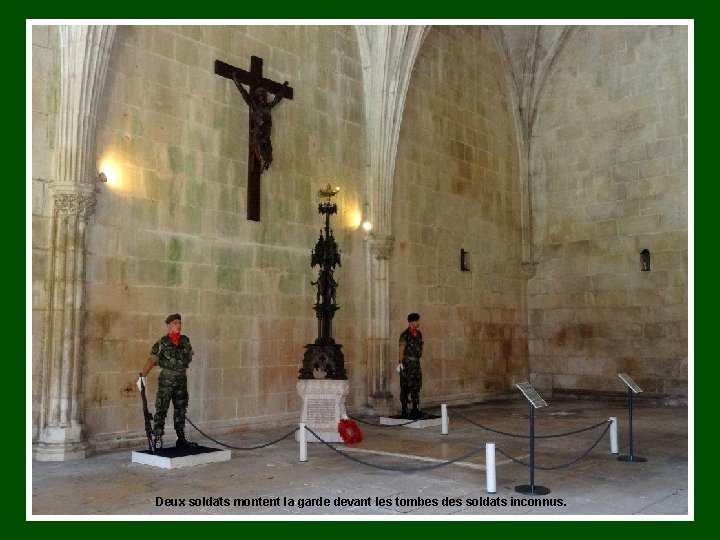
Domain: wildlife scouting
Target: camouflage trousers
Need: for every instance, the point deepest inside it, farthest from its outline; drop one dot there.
(171, 388)
(410, 381)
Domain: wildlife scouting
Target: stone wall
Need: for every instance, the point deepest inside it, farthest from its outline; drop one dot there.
(456, 187)
(609, 179)
(170, 233)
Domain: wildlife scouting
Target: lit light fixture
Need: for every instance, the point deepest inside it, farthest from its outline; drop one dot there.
(108, 173)
(366, 223)
(101, 178)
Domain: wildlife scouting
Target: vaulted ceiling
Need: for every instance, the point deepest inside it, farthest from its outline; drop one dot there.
(531, 53)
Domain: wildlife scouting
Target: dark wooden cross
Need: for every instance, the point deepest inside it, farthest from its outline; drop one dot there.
(254, 80)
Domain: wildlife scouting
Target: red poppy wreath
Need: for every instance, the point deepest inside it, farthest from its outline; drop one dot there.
(349, 431)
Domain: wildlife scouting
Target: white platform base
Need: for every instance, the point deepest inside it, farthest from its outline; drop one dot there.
(167, 462)
(405, 422)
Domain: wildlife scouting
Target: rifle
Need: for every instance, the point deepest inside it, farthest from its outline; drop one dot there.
(148, 417)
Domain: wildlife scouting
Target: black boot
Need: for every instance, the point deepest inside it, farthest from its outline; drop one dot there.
(416, 413)
(404, 412)
(157, 443)
(182, 442)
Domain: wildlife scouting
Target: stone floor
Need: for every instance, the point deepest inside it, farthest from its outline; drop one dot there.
(367, 479)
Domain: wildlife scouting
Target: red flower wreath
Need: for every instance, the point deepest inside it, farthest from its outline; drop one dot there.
(349, 431)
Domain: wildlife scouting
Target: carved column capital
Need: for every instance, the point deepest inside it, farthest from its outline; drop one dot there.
(529, 269)
(74, 200)
(382, 246)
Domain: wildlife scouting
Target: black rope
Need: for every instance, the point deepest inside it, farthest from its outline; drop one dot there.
(238, 447)
(528, 436)
(397, 469)
(562, 465)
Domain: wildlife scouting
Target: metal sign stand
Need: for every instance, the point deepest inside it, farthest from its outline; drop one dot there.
(632, 389)
(535, 402)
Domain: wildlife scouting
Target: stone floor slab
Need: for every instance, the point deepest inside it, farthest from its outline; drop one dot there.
(597, 484)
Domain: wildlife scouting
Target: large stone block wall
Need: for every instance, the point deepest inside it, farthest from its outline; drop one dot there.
(456, 187)
(609, 179)
(171, 233)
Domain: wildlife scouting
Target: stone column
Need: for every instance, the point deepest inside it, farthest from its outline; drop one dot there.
(60, 414)
(380, 350)
(388, 54)
(84, 54)
(530, 54)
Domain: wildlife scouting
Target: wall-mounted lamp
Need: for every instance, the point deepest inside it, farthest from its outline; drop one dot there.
(645, 260)
(366, 223)
(463, 260)
(100, 178)
(108, 173)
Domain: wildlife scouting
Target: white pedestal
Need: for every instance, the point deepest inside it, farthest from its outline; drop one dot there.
(323, 407)
(175, 460)
(406, 422)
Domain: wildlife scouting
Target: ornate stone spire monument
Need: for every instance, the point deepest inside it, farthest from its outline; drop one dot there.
(323, 383)
(324, 359)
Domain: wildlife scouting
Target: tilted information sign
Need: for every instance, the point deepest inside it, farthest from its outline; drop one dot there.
(531, 394)
(631, 384)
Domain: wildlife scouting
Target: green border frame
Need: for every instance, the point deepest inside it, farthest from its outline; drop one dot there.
(702, 309)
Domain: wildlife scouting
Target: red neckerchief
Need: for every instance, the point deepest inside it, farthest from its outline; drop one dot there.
(174, 338)
(413, 331)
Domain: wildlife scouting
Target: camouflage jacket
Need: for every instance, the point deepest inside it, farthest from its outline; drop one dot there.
(413, 345)
(168, 356)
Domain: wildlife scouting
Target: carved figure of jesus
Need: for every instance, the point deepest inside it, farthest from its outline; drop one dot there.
(260, 121)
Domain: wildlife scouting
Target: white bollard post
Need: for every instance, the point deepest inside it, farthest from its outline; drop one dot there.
(444, 421)
(613, 435)
(490, 467)
(303, 442)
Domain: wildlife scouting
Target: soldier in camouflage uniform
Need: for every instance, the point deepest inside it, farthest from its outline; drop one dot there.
(409, 353)
(173, 353)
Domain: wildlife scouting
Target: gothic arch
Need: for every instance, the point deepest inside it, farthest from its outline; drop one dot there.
(530, 54)
(388, 55)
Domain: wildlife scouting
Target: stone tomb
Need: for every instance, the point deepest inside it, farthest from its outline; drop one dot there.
(323, 407)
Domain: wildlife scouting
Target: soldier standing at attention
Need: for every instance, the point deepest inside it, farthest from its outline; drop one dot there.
(409, 353)
(173, 353)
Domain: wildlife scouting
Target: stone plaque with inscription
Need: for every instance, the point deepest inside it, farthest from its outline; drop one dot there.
(323, 407)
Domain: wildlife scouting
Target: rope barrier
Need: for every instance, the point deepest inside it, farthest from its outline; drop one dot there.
(434, 466)
(527, 436)
(397, 469)
(562, 465)
(238, 447)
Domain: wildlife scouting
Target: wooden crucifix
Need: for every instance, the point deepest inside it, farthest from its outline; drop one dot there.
(260, 124)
